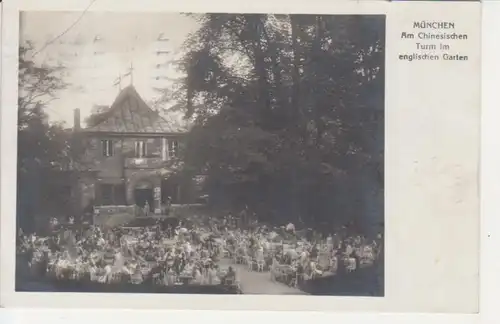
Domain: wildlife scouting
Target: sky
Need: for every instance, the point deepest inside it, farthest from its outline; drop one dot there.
(102, 46)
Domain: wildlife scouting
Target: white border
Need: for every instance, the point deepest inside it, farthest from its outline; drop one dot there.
(490, 162)
(204, 316)
(244, 317)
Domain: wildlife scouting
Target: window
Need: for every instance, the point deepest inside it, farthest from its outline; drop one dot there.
(173, 148)
(140, 149)
(107, 147)
(107, 194)
(169, 149)
(164, 149)
(112, 194)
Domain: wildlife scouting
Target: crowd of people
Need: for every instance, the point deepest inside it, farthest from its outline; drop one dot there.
(293, 257)
(191, 253)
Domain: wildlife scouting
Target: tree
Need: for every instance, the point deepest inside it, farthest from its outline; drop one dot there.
(97, 115)
(42, 147)
(44, 143)
(38, 85)
(286, 106)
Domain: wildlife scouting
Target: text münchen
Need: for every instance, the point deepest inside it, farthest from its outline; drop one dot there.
(434, 24)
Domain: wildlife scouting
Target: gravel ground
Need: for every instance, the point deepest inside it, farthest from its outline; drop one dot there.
(253, 282)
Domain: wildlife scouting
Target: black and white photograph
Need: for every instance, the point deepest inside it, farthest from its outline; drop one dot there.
(190, 153)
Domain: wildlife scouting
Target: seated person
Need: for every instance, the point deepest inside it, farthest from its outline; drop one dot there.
(198, 277)
(189, 267)
(230, 277)
(126, 271)
(211, 274)
(300, 272)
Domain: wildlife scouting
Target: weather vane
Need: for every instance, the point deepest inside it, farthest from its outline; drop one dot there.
(118, 82)
(131, 73)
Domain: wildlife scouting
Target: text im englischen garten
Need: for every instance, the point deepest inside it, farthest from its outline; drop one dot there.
(433, 41)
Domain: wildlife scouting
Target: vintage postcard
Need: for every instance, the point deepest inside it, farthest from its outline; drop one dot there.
(315, 156)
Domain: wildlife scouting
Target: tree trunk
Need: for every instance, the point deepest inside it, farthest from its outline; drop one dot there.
(263, 96)
(296, 110)
(321, 92)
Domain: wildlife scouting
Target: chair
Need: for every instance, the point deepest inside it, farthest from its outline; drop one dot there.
(295, 281)
(238, 258)
(156, 279)
(273, 273)
(274, 269)
(306, 276)
(351, 265)
(250, 262)
(260, 265)
(237, 284)
(116, 277)
(136, 278)
(246, 259)
(171, 279)
(93, 275)
(72, 274)
(333, 264)
(313, 271)
(103, 278)
(279, 274)
(286, 273)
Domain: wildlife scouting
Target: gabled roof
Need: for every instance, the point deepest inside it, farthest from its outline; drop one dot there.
(130, 114)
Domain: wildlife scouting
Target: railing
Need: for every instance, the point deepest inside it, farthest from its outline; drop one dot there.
(144, 163)
(113, 215)
(111, 210)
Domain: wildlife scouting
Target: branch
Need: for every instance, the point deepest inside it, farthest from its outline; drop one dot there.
(242, 41)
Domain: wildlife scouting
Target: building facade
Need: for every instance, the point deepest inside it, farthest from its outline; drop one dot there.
(129, 157)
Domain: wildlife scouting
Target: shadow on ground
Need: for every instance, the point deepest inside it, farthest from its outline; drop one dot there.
(73, 286)
(363, 282)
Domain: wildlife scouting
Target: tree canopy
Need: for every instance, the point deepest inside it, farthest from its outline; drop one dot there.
(39, 142)
(43, 147)
(288, 113)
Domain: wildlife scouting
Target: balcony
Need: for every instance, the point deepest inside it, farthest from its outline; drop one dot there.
(144, 163)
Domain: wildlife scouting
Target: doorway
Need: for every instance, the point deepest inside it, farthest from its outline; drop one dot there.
(143, 195)
(170, 188)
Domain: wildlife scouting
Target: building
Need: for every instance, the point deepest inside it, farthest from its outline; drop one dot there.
(129, 157)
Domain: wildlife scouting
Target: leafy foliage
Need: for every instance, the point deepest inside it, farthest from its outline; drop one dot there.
(46, 145)
(288, 113)
(97, 115)
(43, 148)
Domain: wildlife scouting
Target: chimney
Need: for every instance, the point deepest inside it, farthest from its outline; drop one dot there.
(76, 122)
